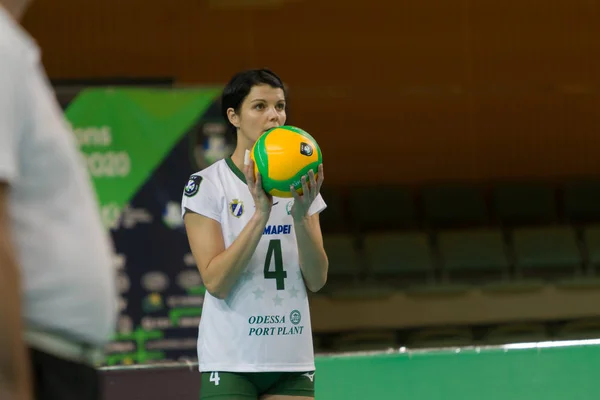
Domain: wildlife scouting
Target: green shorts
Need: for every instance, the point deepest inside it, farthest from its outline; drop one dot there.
(251, 385)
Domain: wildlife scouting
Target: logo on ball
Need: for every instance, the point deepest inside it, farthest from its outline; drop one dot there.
(306, 149)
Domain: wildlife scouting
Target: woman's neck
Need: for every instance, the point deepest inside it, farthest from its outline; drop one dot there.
(239, 154)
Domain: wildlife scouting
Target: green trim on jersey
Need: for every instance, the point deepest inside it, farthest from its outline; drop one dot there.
(235, 169)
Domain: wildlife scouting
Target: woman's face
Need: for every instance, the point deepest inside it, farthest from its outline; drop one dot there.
(261, 110)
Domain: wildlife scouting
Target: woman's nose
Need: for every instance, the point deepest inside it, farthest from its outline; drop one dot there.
(273, 114)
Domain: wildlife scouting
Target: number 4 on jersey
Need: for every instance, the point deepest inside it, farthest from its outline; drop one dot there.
(214, 377)
(279, 274)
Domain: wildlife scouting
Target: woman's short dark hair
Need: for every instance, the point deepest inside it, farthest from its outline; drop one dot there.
(238, 89)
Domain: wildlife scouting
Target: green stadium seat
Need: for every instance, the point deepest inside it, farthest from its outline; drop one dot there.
(454, 205)
(440, 337)
(366, 341)
(515, 333)
(320, 343)
(591, 237)
(524, 203)
(582, 201)
(591, 245)
(333, 218)
(587, 328)
(549, 253)
(400, 258)
(382, 207)
(343, 255)
(473, 256)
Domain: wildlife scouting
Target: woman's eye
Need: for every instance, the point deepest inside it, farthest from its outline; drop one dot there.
(281, 107)
(260, 106)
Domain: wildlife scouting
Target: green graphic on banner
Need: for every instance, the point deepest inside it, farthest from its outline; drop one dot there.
(124, 134)
(141, 355)
(176, 314)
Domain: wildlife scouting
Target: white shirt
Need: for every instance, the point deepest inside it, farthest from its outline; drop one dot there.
(264, 323)
(63, 251)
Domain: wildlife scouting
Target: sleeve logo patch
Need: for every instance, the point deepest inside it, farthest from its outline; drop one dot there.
(192, 186)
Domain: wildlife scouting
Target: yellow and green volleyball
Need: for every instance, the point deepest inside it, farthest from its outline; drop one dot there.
(282, 156)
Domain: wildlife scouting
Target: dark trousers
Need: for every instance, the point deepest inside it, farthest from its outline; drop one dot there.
(59, 379)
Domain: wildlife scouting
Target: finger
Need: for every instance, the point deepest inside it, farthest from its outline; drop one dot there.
(313, 184)
(249, 172)
(249, 166)
(258, 183)
(295, 194)
(305, 189)
(260, 189)
(320, 179)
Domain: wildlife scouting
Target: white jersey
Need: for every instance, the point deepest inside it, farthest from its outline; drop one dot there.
(264, 323)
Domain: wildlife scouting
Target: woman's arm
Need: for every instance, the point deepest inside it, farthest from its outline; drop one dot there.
(220, 268)
(313, 258)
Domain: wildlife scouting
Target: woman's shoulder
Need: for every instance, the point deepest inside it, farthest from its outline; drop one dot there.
(213, 171)
(212, 174)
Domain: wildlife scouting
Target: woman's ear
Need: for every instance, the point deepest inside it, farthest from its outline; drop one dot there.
(233, 117)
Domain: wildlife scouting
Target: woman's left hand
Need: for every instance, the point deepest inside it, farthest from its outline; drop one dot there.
(310, 190)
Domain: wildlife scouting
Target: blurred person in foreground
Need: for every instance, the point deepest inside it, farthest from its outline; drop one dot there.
(58, 305)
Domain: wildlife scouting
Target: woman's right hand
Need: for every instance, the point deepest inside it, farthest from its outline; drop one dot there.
(262, 201)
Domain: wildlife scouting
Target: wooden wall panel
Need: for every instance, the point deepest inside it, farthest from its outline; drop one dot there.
(405, 91)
